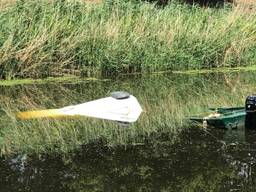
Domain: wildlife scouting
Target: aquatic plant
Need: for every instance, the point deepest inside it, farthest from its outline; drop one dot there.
(167, 101)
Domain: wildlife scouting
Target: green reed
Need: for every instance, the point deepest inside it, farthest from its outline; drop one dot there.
(42, 38)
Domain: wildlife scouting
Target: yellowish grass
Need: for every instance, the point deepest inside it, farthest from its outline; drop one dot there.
(7, 3)
(246, 6)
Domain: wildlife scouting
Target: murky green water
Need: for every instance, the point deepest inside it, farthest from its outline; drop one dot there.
(160, 152)
(198, 161)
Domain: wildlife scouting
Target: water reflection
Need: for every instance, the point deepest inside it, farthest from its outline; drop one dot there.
(160, 153)
(167, 101)
(198, 161)
(239, 152)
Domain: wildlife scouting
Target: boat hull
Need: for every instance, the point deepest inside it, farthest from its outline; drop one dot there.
(229, 118)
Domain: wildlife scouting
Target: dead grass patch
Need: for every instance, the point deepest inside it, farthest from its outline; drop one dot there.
(6, 3)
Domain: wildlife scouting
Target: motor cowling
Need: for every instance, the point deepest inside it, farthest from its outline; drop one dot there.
(250, 104)
(250, 108)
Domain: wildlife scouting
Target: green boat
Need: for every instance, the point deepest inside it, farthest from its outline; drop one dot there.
(226, 117)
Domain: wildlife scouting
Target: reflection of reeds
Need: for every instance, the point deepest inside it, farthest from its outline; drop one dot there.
(40, 39)
(166, 102)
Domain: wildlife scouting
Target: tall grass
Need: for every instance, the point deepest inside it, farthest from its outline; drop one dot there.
(42, 38)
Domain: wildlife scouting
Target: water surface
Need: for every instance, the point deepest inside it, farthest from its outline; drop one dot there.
(160, 152)
(198, 161)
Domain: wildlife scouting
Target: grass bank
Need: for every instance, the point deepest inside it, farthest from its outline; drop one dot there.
(41, 38)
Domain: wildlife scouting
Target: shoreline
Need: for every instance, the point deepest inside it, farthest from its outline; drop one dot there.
(77, 79)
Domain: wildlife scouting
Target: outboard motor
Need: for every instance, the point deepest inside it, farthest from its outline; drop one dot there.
(250, 109)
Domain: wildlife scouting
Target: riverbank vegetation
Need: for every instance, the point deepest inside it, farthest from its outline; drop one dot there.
(54, 38)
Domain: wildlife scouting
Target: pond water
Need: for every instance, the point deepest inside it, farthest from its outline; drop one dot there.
(198, 161)
(160, 152)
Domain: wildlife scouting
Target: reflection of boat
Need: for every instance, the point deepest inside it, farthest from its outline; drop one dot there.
(231, 117)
